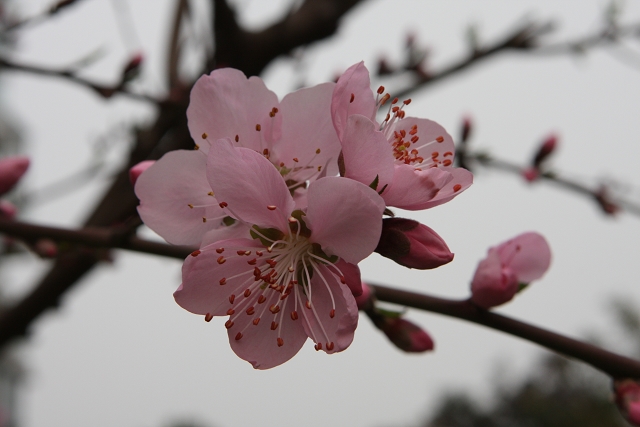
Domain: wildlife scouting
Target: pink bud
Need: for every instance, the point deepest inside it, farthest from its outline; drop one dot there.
(627, 398)
(412, 244)
(7, 209)
(11, 170)
(547, 147)
(507, 267)
(405, 335)
(467, 126)
(531, 174)
(364, 299)
(135, 171)
(46, 248)
(132, 69)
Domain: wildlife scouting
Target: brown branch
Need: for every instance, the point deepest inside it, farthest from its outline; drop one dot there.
(615, 365)
(104, 91)
(607, 203)
(174, 42)
(612, 364)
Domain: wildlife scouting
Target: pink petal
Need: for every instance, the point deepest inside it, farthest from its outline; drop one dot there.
(225, 104)
(307, 128)
(413, 189)
(528, 255)
(137, 170)
(366, 153)
(252, 188)
(238, 230)
(493, 285)
(428, 133)
(8, 209)
(167, 189)
(345, 217)
(460, 181)
(351, 273)
(11, 170)
(201, 292)
(258, 344)
(355, 81)
(338, 329)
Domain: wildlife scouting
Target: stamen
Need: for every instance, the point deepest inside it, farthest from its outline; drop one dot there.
(294, 315)
(238, 336)
(330, 346)
(196, 253)
(228, 324)
(208, 317)
(280, 342)
(457, 187)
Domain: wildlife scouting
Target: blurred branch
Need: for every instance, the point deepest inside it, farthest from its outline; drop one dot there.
(182, 11)
(12, 324)
(608, 204)
(52, 11)
(104, 91)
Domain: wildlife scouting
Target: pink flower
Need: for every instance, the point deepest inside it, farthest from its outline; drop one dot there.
(412, 244)
(11, 170)
(508, 268)
(295, 135)
(407, 160)
(292, 280)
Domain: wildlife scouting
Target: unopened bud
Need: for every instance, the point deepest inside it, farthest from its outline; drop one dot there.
(46, 248)
(531, 174)
(627, 398)
(384, 69)
(7, 209)
(11, 170)
(132, 69)
(405, 335)
(544, 151)
(135, 171)
(412, 244)
(508, 268)
(364, 299)
(350, 277)
(467, 126)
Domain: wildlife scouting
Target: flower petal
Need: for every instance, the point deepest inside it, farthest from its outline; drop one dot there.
(412, 188)
(168, 187)
(345, 217)
(355, 81)
(202, 272)
(11, 170)
(250, 185)
(307, 129)
(329, 297)
(492, 284)
(433, 142)
(258, 344)
(528, 255)
(225, 104)
(366, 153)
(351, 273)
(460, 181)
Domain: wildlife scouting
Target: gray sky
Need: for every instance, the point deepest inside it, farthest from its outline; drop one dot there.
(120, 352)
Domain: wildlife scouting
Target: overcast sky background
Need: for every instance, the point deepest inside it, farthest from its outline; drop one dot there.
(120, 352)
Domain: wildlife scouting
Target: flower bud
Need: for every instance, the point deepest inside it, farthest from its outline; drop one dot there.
(627, 398)
(548, 146)
(508, 268)
(46, 248)
(135, 171)
(412, 244)
(364, 299)
(405, 335)
(465, 132)
(132, 69)
(11, 170)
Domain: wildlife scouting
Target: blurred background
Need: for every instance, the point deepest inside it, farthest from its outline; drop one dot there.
(117, 350)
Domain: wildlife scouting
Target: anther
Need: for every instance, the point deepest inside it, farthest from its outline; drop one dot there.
(252, 261)
(230, 312)
(295, 159)
(330, 346)
(272, 207)
(237, 138)
(274, 325)
(447, 162)
(294, 315)
(274, 308)
(440, 139)
(232, 298)
(238, 336)
(265, 152)
(262, 299)
(210, 193)
(292, 220)
(319, 168)
(291, 269)
(250, 311)
(228, 324)
(457, 187)
(223, 204)
(352, 98)
(308, 304)
(196, 252)
(208, 317)
(240, 252)
(380, 90)
(204, 219)
(256, 321)
(318, 346)
(220, 250)
(407, 101)
(343, 280)
(384, 99)
(204, 135)
(247, 293)
(271, 262)
(332, 313)
(280, 342)
(223, 281)
(259, 253)
(221, 260)
(258, 127)
(318, 151)
(196, 147)
(395, 101)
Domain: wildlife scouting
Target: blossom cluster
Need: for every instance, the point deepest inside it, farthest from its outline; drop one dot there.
(284, 198)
